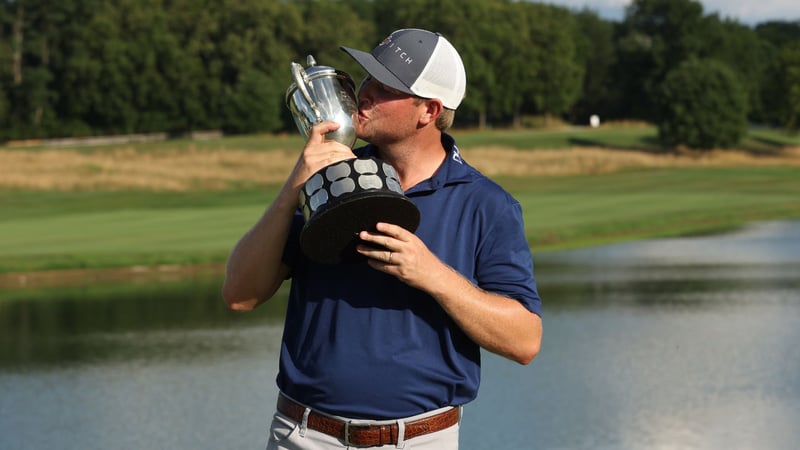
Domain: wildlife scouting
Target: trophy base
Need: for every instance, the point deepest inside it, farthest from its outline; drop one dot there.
(331, 235)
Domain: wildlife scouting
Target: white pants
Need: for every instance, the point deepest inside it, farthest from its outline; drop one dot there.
(287, 434)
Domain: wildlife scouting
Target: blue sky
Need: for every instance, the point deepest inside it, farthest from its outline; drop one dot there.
(749, 12)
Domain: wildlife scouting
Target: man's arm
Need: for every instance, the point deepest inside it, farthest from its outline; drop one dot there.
(255, 269)
(498, 324)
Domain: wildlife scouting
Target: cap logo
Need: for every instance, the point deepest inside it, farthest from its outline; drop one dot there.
(398, 51)
(403, 55)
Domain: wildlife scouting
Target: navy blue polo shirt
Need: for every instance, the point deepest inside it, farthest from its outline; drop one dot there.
(360, 343)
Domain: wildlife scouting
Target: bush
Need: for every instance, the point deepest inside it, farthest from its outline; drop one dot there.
(702, 105)
(255, 105)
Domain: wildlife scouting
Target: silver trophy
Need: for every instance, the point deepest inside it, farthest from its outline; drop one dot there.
(349, 196)
(321, 93)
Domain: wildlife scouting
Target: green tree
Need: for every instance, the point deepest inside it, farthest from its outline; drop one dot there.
(66, 52)
(790, 63)
(324, 27)
(103, 80)
(35, 27)
(557, 84)
(510, 57)
(779, 33)
(253, 39)
(520, 57)
(480, 55)
(156, 86)
(596, 52)
(775, 89)
(3, 113)
(5, 61)
(702, 105)
(740, 48)
(251, 106)
(654, 37)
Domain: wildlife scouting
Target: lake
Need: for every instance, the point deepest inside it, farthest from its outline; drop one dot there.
(686, 343)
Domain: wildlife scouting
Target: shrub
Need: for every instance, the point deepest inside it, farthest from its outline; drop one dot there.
(702, 105)
(255, 104)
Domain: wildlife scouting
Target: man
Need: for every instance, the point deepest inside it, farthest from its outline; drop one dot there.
(385, 353)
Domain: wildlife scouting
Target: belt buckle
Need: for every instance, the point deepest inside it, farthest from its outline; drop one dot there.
(347, 442)
(347, 425)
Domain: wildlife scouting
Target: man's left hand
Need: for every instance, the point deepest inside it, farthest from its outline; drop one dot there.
(399, 252)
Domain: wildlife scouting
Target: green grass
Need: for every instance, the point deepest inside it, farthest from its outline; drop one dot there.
(60, 230)
(18, 204)
(90, 230)
(563, 212)
(100, 230)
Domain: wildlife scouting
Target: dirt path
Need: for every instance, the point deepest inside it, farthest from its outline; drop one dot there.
(124, 168)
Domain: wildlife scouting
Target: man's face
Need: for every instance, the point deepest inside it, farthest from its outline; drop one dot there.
(385, 114)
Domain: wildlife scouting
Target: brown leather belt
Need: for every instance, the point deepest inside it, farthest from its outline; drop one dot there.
(366, 435)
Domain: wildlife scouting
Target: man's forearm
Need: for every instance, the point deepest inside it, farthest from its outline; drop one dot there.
(498, 324)
(255, 270)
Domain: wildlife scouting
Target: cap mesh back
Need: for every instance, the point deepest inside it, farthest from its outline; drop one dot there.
(444, 77)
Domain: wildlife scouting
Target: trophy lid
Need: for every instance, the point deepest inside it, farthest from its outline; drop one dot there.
(314, 72)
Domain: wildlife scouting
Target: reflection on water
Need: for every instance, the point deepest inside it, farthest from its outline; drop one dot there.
(671, 343)
(94, 323)
(134, 366)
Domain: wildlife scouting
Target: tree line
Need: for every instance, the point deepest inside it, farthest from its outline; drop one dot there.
(98, 67)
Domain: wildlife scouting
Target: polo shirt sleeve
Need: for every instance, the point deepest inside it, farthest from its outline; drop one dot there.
(505, 263)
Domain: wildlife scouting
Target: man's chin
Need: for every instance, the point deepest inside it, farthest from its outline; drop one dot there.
(361, 132)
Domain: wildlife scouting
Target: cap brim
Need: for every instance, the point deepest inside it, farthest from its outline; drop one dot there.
(377, 70)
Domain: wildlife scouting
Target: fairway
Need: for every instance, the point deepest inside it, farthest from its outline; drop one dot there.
(564, 212)
(123, 238)
(560, 212)
(187, 202)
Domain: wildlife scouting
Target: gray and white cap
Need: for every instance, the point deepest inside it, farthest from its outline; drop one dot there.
(417, 62)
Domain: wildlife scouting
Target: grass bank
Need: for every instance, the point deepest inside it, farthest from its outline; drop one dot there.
(186, 203)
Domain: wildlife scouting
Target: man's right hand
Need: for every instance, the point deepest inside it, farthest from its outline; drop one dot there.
(318, 153)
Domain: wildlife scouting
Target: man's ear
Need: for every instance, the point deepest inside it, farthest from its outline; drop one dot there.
(433, 108)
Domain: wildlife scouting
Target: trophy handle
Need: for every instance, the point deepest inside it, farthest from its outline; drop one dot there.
(303, 84)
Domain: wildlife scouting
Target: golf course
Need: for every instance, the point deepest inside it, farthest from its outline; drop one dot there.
(181, 203)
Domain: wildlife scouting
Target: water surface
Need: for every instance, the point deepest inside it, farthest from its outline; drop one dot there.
(673, 343)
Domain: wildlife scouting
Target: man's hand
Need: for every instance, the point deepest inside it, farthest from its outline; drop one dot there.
(318, 153)
(399, 252)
